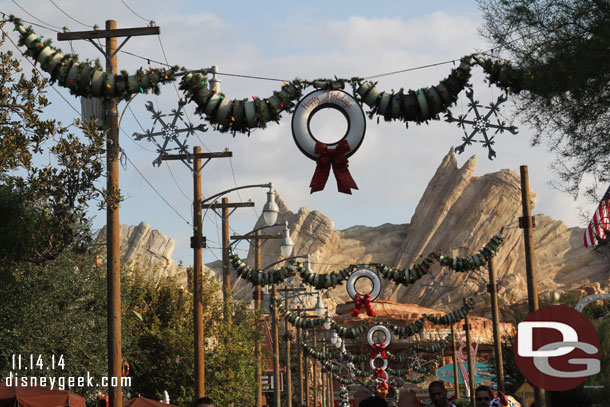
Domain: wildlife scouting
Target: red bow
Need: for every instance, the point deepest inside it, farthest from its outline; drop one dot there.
(379, 349)
(332, 157)
(379, 372)
(363, 301)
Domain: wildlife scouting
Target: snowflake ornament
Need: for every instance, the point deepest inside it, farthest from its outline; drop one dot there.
(416, 359)
(169, 132)
(481, 124)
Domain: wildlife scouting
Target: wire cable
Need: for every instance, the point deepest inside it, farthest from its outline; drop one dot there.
(70, 17)
(34, 17)
(136, 14)
(156, 191)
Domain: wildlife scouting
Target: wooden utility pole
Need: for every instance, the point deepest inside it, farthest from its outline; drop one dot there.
(456, 377)
(315, 372)
(198, 243)
(113, 248)
(257, 306)
(226, 263)
(471, 360)
(527, 223)
(276, 349)
(300, 361)
(495, 316)
(288, 367)
(307, 399)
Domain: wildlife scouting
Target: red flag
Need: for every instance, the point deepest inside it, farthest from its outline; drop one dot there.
(600, 222)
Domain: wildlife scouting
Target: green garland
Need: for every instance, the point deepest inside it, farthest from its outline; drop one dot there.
(401, 331)
(417, 106)
(504, 75)
(256, 277)
(238, 115)
(405, 277)
(242, 115)
(83, 78)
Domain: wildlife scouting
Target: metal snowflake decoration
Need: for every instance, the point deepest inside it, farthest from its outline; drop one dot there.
(481, 124)
(416, 359)
(169, 132)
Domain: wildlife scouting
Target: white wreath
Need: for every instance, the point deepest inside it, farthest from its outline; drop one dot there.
(320, 99)
(372, 363)
(364, 273)
(385, 330)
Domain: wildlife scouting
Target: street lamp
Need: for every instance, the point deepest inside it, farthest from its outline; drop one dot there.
(286, 244)
(334, 337)
(319, 307)
(327, 323)
(270, 210)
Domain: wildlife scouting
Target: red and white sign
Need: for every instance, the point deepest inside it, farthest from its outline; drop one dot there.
(557, 348)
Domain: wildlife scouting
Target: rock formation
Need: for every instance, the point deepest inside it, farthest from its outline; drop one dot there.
(457, 215)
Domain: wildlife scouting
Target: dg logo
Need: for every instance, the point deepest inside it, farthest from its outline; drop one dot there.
(557, 348)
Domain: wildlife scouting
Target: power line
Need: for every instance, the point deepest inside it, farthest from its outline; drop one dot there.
(136, 14)
(69, 16)
(34, 17)
(155, 189)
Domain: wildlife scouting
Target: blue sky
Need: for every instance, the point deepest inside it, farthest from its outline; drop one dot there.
(287, 40)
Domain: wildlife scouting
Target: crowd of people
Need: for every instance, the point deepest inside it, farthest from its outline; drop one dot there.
(484, 397)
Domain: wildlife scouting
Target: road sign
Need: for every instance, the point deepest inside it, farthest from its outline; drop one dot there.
(268, 382)
(482, 373)
(526, 393)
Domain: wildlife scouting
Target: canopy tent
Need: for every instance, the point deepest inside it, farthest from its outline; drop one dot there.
(37, 396)
(144, 402)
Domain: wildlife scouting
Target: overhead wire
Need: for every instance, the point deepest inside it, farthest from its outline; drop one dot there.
(70, 17)
(136, 14)
(36, 18)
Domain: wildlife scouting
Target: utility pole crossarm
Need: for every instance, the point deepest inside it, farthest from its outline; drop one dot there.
(228, 205)
(223, 154)
(119, 32)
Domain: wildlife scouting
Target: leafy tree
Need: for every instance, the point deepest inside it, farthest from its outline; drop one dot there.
(55, 308)
(159, 343)
(47, 174)
(560, 49)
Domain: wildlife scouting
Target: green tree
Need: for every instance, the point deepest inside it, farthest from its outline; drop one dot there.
(560, 48)
(55, 308)
(159, 343)
(47, 173)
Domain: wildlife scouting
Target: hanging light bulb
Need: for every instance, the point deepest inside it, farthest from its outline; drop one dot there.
(343, 346)
(339, 342)
(286, 244)
(270, 210)
(319, 307)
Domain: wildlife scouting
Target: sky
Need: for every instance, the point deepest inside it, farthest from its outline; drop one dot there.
(288, 40)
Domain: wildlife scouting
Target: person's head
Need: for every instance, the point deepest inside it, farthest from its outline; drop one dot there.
(483, 395)
(373, 401)
(203, 402)
(438, 394)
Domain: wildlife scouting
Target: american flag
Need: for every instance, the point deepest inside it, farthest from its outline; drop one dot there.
(600, 221)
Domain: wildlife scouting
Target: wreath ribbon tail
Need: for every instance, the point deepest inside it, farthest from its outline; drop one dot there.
(340, 163)
(320, 175)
